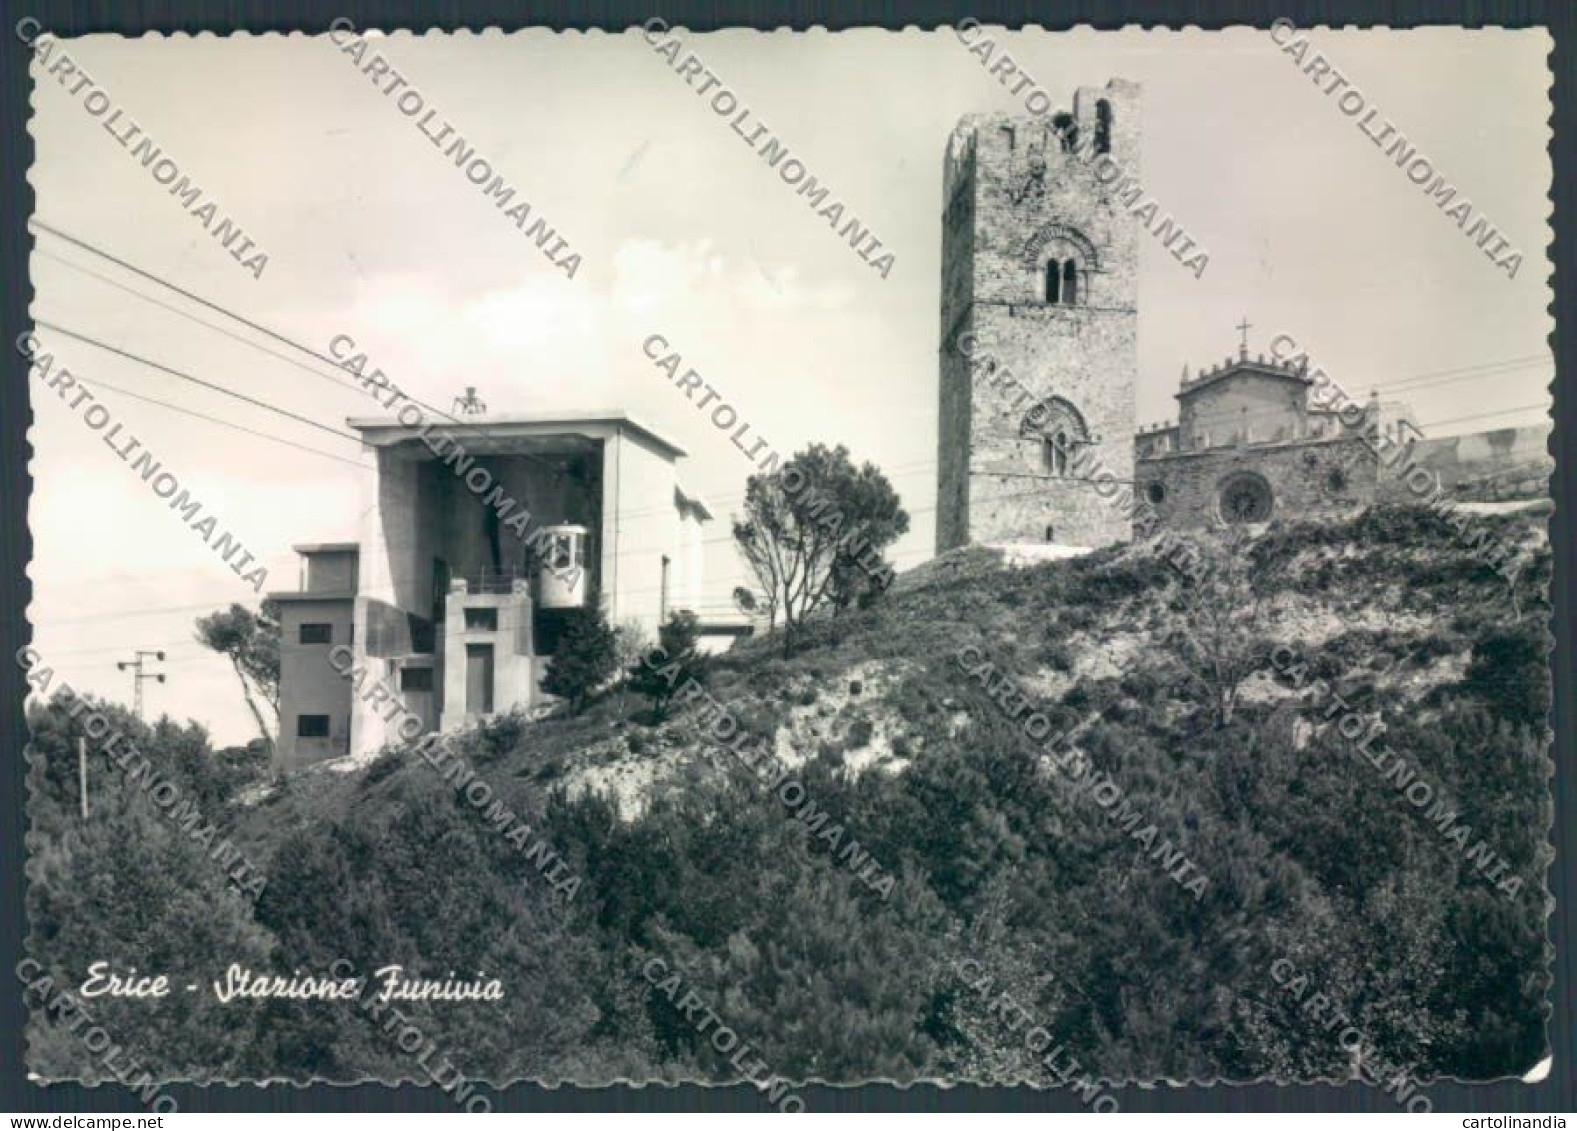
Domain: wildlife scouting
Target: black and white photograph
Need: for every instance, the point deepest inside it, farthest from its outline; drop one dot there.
(953, 557)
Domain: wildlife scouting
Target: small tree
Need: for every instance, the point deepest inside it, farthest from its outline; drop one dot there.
(251, 643)
(813, 532)
(630, 644)
(1224, 635)
(587, 657)
(675, 662)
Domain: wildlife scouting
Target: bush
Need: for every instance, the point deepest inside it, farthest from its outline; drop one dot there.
(382, 766)
(501, 735)
(1509, 671)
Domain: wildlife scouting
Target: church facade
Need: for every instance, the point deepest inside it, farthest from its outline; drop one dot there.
(1255, 440)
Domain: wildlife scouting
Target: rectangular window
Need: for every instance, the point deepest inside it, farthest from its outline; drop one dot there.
(485, 620)
(317, 634)
(416, 679)
(312, 726)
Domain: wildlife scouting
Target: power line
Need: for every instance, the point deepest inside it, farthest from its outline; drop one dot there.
(182, 291)
(1412, 383)
(168, 645)
(258, 326)
(159, 610)
(193, 318)
(1482, 415)
(283, 339)
(1210, 423)
(1415, 382)
(728, 538)
(1442, 381)
(197, 381)
(295, 345)
(1526, 358)
(1436, 382)
(94, 381)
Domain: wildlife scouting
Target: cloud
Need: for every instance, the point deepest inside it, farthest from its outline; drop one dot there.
(650, 275)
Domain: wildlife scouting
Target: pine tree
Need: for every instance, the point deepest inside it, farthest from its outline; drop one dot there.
(587, 658)
(675, 662)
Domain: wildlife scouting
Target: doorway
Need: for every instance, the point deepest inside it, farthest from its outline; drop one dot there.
(479, 679)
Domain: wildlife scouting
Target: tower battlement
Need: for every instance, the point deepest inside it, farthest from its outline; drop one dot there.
(1061, 137)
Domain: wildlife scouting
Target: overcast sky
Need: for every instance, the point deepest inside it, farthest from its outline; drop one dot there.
(683, 230)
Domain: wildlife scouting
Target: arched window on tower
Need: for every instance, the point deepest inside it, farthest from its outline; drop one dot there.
(1059, 266)
(1056, 430)
(1103, 126)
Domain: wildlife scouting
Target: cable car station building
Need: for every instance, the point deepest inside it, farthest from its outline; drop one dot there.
(476, 540)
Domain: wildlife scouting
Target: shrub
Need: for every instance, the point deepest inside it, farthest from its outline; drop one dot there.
(500, 735)
(1509, 671)
(1057, 657)
(381, 767)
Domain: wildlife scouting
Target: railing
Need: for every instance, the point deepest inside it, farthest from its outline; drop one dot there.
(490, 580)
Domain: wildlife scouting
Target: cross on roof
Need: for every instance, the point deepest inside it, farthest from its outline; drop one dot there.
(1244, 327)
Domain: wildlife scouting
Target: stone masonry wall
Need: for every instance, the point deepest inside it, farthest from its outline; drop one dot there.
(1243, 408)
(1032, 200)
(1503, 463)
(1300, 476)
(953, 410)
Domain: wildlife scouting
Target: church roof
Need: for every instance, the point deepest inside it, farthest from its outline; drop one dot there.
(1242, 364)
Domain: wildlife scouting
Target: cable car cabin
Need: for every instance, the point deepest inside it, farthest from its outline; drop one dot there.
(562, 576)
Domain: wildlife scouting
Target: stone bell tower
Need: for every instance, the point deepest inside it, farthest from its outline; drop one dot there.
(1039, 325)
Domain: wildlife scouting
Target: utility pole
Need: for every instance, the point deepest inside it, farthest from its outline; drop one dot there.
(82, 773)
(139, 675)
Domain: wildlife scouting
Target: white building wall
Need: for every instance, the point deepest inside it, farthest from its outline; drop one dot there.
(396, 535)
(641, 526)
(686, 592)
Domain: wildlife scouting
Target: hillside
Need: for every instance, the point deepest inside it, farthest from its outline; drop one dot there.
(1011, 870)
